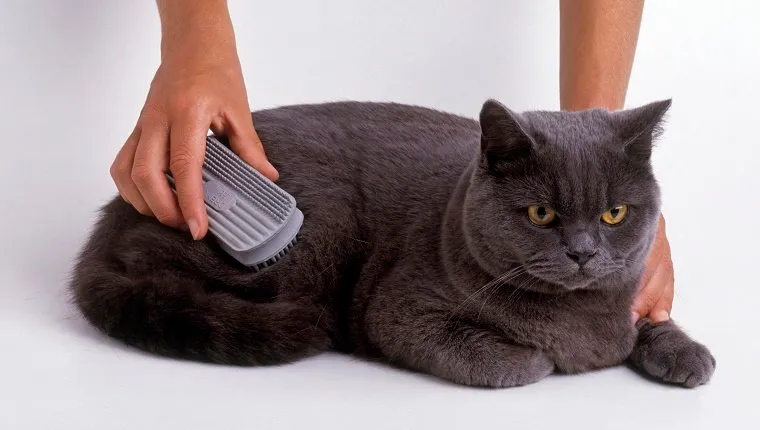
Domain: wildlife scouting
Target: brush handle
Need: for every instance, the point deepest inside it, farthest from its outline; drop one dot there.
(253, 219)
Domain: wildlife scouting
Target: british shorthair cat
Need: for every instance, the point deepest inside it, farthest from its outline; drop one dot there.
(488, 253)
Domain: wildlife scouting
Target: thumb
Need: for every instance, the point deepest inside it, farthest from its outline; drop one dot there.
(245, 142)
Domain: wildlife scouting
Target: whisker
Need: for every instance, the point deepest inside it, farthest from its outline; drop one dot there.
(493, 291)
(319, 318)
(496, 288)
(516, 271)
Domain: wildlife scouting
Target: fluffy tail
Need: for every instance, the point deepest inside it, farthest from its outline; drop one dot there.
(181, 316)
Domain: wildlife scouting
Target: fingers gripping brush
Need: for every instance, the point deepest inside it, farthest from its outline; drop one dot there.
(253, 219)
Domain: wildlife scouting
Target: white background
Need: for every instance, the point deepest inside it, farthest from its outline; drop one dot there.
(73, 78)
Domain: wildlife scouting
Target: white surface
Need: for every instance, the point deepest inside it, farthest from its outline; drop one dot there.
(74, 77)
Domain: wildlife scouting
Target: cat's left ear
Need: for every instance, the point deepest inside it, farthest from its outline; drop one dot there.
(504, 143)
(640, 127)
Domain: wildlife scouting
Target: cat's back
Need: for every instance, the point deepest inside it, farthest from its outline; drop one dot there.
(386, 124)
(374, 137)
(387, 160)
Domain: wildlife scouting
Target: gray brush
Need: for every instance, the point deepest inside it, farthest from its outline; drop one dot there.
(253, 219)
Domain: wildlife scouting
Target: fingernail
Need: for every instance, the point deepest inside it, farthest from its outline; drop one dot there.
(660, 316)
(635, 317)
(274, 171)
(194, 228)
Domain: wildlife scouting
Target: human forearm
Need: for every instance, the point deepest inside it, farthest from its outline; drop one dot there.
(597, 48)
(202, 26)
(198, 86)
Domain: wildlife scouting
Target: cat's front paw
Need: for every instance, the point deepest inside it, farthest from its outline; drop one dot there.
(517, 366)
(665, 352)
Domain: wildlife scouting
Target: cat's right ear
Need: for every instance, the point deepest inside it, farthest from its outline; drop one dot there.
(640, 127)
(504, 143)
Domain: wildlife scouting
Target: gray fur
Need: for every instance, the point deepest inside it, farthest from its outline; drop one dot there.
(416, 250)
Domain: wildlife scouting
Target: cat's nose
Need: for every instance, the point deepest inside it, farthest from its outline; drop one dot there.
(581, 257)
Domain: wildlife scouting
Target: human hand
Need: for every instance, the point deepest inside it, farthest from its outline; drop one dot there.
(655, 296)
(193, 91)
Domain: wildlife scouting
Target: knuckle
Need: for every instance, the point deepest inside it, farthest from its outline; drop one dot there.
(140, 174)
(166, 217)
(150, 113)
(142, 208)
(650, 301)
(120, 169)
(155, 114)
(182, 162)
(647, 300)
(115, 171)
(120, 166)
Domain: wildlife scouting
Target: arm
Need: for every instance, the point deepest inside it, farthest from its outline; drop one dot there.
(198, 86)
(597, 47)
(194, 23)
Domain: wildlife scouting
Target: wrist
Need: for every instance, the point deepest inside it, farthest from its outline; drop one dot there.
(592, 89)
(592, 100)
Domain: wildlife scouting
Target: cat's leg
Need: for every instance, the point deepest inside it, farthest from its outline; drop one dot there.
(435, 342)
(168, 313)
(668, 354)
(155, 288)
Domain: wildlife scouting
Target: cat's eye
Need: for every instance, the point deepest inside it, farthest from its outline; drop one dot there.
(615, 215)
(541, 215)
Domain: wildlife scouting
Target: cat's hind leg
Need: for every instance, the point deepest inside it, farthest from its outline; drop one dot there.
(154, 288)
(173, 315)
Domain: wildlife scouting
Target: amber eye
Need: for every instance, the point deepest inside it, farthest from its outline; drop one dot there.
(615, 215)
(541, 215)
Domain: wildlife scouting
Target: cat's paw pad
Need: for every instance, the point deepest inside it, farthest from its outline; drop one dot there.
(666, 353)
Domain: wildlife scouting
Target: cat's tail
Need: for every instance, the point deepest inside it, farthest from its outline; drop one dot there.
(181, 316)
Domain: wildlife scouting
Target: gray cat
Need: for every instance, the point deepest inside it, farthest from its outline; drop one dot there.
(488, 253)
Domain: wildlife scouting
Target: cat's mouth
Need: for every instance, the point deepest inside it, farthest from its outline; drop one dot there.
(568, 279)
(580, 279)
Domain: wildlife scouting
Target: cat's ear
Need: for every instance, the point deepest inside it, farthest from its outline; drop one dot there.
(640, 127)
(503, 140)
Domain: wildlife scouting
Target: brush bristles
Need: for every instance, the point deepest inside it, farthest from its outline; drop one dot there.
(277, 257)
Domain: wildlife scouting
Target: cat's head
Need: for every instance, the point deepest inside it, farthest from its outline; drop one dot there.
(568, 195)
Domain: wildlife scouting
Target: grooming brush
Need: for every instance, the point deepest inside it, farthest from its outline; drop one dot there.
(253, 219)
